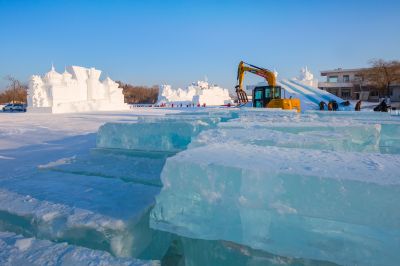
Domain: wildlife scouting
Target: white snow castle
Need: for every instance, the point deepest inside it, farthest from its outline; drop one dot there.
(307, 78)
(78, 89)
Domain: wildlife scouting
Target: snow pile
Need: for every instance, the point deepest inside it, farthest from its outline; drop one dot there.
(200, 92)
(316, 186)
(78, 89)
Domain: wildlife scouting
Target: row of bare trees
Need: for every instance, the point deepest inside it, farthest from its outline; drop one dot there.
(382, 75)
(139, 94)
(16, 92)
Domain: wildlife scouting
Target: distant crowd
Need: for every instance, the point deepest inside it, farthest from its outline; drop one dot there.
(334, 106)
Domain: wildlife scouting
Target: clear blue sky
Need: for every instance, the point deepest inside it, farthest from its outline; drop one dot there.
(177, 42)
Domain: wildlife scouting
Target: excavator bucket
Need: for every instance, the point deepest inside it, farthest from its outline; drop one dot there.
(242, 96)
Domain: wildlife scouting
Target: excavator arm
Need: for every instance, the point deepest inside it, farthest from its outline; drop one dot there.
(242, 69)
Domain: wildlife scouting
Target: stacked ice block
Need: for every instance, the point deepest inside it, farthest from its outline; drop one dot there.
(314, 186)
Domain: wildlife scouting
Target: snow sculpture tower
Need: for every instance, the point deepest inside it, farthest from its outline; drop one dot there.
(307, 78)
(78, 89)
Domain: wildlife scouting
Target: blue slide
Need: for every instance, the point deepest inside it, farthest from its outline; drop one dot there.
(323, 94)
(309, 96)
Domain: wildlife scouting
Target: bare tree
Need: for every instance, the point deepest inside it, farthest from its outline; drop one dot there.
(139, 94)
(382, 74)
(15, 92)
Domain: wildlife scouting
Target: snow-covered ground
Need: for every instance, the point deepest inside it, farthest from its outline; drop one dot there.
(233, 186)
(40, 199)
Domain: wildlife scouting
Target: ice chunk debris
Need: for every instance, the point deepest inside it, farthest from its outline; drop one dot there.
(17, 250)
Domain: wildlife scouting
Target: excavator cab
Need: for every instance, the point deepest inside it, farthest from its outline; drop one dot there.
(262, 95)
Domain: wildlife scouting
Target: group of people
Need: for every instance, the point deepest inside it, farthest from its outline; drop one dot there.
(172, 105)
(332, 105)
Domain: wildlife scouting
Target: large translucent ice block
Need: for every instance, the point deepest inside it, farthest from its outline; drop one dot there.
(363, 138)
(318, 116)
(358, 135)
(170, 136)
(324, 205)
(390, 138)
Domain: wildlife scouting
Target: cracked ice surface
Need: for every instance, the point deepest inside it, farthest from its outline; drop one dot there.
(321, 186)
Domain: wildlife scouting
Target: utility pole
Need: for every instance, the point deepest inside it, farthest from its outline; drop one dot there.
(13, 83)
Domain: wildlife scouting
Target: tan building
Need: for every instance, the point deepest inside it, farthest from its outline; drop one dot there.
(348, 84)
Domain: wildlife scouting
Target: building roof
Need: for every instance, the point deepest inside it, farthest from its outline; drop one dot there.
(341, 70)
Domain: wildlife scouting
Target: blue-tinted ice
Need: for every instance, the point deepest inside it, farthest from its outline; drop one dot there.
(321, 186)
(166, 135)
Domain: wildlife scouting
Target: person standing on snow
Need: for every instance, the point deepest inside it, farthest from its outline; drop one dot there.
(322, 105)
(330, 106)
(335, 106)
(358, 106)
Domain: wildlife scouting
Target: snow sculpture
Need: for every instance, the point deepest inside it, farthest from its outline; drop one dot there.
(276, 73)
(167, 94)
(199, 92)
(307, 77)
(78, 89)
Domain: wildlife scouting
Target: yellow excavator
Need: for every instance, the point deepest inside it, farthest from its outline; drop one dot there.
(264, 96)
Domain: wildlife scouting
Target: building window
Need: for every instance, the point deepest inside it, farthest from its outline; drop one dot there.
(346, 78)
(346, 93)
(333, 91)
(373, 93)
(358, 78)
(332, 78)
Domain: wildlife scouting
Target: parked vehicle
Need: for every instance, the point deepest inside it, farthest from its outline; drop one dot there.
(14, 107)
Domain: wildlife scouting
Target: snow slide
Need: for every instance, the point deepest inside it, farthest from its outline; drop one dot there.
(310, 96)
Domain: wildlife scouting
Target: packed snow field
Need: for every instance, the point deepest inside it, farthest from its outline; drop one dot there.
(209, 186)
